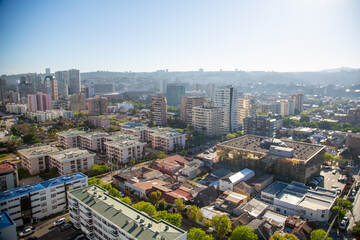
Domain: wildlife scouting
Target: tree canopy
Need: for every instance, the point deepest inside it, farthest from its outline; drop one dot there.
(243, 233)
(287, 236)
(319, 234)
(198, 234)
(179, 204)
(221, 224)
(194, 213)
(145, 207)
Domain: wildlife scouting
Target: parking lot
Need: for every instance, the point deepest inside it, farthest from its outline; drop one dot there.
(331, 179)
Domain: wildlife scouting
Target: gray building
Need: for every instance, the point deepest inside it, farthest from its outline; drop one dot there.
(8, 176)
(74, 81)
(260, 125)
(174, 92)
(63, 84)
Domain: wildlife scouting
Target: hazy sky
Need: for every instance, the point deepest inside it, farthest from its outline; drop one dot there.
(119, 35)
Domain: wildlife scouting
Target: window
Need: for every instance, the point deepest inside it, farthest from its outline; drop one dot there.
(322, 215)
(53, 195)
(43, 204)
(42, 192)
(43, 198)
(284, 211)
(54, 207)
(52, 189)
(278, 209)
(3, 204)
(53, 201)
(44, 210)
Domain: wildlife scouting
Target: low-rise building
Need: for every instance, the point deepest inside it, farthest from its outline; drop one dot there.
(300, 200)
(101, 216)
(99, 122)
(28, 203)
(49, 115)
(16, 108)
(36, 159)
(72, 160)
(93, 141)
(122, 151)
(229, 181)
(8, 176)
(191, 169)
(7, 227)
(170, 165)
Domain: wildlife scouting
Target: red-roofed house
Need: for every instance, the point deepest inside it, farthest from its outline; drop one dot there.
(141, 188)
(170, 165)
(8, 176)
(178, 193)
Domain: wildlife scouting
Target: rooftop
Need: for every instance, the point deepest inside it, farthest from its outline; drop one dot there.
(138, 224)
(15, 192)
(6, 167)
(71, 153)
(275, 188)
(38, 151)
(124, 143)
(71, 133)
(5, 220)
(302, 151)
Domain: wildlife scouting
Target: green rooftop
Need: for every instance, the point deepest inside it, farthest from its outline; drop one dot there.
(137, 224)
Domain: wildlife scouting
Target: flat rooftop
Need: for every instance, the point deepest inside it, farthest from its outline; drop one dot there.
(124, 143)
(71, 133)
(5, 220)
(20, 191)
(123, 216)
(38, 151)
(275, 188)
(121, 136)
(94, 135)
(302, 151)
(71, 153)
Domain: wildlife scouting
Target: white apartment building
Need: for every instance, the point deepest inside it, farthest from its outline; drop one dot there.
(226, 98)
(207, 120)
(16, 108)
(49, 115)
(28, 203)
(87, 140)
(69, 138)
(167, 141)
(123, 150)
(101, 216)
(300, 200)
(72, 160)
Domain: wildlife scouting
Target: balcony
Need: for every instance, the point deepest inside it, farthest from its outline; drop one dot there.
(114, 233)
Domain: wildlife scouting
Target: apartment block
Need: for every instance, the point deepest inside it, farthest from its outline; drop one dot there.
(69, 138)
(51, 87)
(77, 102)
(74, 81)
(226, 99)
(298, 99)
(158, 110)
(101, 216)
(72, 160)
(62, 78)
(208, 120)
(246, 108)
(260, 125)
(99, 122)
(174, 92)
(31, 202)
(8, 176)
(123, 150)
(36, 159)
(16, 108)
(98, 106)
(39, 102)
(186, 107)
(48, 115)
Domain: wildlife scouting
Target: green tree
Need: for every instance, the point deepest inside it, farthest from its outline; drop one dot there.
(151, 124)
(132, 161)
(179, 205)
(195, 214)
(341, 207)
(155, 197)
(114, 192)
(243, 233)
(304, 118)
(180, 130)
(198, 234)
(161, 205)
(230, 136)
(319, 234)
(12, 146)
(221, 224)
(161, 155)
(145, 207)
(355, 231)
(95, 180)
(183, 153)
(207, 223)
(173, 218)
(30, 138)
(126, 200)
(15, 130)
(287, 236)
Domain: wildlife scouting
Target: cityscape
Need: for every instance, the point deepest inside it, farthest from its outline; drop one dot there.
(230, 150)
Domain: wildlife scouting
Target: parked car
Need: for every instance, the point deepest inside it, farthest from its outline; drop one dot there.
(26, 232)
(65, 226)
(344, 223)
(59, 222)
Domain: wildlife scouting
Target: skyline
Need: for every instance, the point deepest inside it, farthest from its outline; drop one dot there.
(143, 36)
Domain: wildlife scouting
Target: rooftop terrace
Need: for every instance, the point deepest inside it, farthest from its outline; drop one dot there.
(71, 154)
(302, 151)
(38, 151)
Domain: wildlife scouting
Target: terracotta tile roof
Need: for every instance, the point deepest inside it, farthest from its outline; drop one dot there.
(5, 167)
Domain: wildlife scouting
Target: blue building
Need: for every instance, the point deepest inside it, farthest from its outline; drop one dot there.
(7, 227)
(28, 203)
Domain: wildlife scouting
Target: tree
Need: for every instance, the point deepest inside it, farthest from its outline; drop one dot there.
(198, 234)
(95, 180)
(161, 155)
(179, 204)
(151, 124)
(319, 234)
(207, 223)
(132, 161)
(355, 231)
(221, 224)
(243, 233)
(30, 138)
(230, 136)
(15, 130)
(183, 153)
(161, 205)
(126, 200)
(114, 192)
(341, 207)
(155, 197)
(195, 214)
(287, 236)
(145, 207)
(304, 118)
(12, 146)
(180, 130)
(173, 218)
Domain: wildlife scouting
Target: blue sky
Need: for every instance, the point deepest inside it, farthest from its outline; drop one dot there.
(119, 35)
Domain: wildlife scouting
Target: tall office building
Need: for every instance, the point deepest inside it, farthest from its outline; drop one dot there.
(77, 102)
(246, 108)
(74, 81)
(50, 87)
(39, 102)
(62, 78)
(226, 99)
(158, 110)
(174, 92)
(47, 71)
(298, 98)
(3, 91)
(26, 86)
(207, 119)
(90, 92)
(98, 106)
(186, 107)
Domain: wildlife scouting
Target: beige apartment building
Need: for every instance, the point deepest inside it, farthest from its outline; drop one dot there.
(122, 150)
(158, 110)
(246, 108)
(72, 160)
(77, 102)
(208, 120)
(98, 105)
(99, 122)
(36, 159)
(186, 107)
